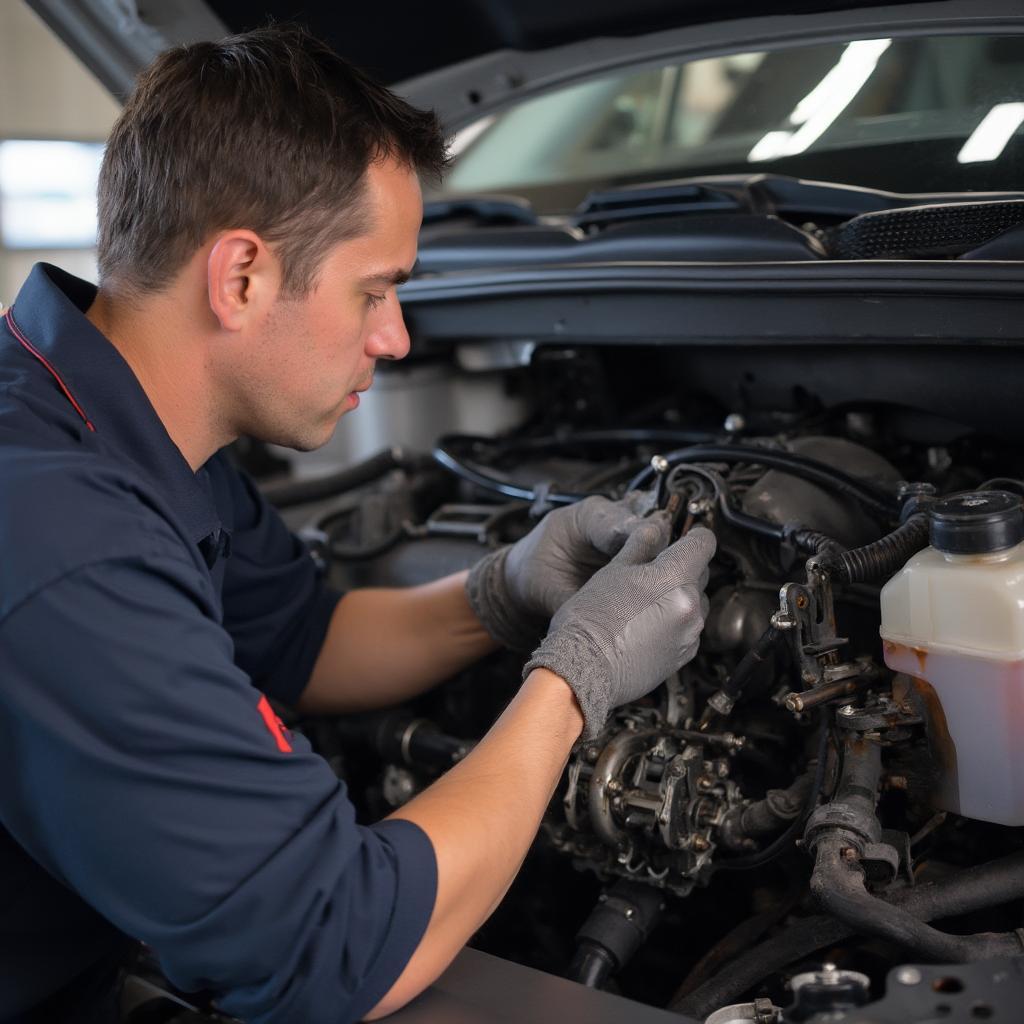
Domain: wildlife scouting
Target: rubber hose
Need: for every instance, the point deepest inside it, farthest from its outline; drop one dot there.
(627, 436)
(782, 842)
(288, 493)
(591, 966)
(838, 886)
(815, 543)
(760, 653)
(489, 483)
(977, 888)
(881, 558)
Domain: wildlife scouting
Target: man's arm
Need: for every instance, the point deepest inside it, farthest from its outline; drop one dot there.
(384, 646)
(631, 626)
(481, 818)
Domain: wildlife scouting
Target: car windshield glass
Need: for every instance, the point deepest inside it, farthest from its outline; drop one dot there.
(926, 114)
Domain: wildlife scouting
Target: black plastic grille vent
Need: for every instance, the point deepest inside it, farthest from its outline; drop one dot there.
(923, 232)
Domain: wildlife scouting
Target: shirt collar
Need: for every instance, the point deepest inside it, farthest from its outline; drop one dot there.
(50, 312)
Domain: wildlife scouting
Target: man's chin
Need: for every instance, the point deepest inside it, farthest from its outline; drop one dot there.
(308, 441)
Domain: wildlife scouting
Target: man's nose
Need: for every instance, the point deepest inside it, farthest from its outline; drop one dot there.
(389, 338)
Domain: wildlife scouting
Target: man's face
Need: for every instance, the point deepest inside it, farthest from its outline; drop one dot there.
(316, 353)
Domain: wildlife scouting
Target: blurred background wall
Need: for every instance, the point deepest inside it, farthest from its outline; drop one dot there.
(46, 95)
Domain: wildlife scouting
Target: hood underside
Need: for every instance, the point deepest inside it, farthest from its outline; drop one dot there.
(471, 57)
(403, 41)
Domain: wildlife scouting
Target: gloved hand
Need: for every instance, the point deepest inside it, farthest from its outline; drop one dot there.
(515, 590)
(636, 622)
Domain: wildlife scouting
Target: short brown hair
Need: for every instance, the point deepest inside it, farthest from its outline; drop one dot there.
(271, 131)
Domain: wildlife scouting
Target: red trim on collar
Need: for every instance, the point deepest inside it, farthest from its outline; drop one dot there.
(9, 317)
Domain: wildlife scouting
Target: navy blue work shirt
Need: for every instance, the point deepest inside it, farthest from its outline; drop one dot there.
(148, 791)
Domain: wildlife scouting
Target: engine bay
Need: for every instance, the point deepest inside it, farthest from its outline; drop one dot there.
(771, 831)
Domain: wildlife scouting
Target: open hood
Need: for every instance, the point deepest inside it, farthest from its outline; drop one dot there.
(471, 57)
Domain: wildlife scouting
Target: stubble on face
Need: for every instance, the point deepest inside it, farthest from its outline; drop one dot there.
(272, 408)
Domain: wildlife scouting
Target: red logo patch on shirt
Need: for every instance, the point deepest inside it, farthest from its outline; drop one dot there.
(274, 725)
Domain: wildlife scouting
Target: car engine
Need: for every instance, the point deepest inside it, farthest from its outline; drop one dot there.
(769, 835)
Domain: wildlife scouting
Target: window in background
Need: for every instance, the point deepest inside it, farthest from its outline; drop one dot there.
(48, 194)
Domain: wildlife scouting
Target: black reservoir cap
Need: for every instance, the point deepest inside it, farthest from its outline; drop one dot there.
(976, 522)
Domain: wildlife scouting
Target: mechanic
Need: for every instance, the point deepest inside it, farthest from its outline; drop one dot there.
(259, 203)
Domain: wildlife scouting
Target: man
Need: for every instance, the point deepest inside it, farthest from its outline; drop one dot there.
(258, 205)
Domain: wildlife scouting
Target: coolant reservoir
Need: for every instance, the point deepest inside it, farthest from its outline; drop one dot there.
(953, 620)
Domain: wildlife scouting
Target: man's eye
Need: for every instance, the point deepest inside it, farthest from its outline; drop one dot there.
(373, 301)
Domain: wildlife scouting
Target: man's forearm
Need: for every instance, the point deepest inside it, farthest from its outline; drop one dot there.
(384, 646)
(481, 818)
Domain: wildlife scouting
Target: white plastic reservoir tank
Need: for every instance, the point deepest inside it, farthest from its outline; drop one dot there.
(953, 619)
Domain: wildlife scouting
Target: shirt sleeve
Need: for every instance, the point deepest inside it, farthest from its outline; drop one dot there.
(140, 772)
(276, 607)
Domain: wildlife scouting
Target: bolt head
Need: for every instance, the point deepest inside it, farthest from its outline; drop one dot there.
(659, 464)
(847, 710)
(700, 844)
(734, 423)
(908, 976)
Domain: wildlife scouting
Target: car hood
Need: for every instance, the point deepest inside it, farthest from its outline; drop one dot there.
(467, 58)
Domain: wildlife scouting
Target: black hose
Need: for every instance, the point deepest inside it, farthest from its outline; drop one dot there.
(777, 810)
(506, 446)
(722, 701)
(489, 483)
(814, 543)
(838, 835)
(875, 499)
(761, 652)
(298, 492)
(838, 886)
(734, 942)
(881, 558)
(591, 966)
(977, 888)
(616, 928)
(752, 524)
(781, 843)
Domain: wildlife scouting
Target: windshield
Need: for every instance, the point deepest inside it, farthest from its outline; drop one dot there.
(940, 113)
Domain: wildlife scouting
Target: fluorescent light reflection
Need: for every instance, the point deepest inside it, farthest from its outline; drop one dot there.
(817, 111)
(464, 137)
(989, 139)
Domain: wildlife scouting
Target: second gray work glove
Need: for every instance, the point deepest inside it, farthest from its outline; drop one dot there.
(636, 622)
(515, 590)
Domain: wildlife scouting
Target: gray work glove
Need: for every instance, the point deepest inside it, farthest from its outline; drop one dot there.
(515, 590)
(636, 622)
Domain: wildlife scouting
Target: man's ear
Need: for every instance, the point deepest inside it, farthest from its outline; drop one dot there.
(242, 278)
